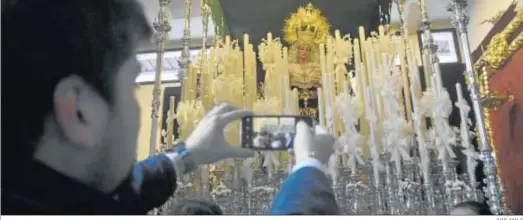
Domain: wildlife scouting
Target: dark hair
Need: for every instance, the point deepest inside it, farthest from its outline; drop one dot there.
(197, 206)
(479, 208)
(45, 41)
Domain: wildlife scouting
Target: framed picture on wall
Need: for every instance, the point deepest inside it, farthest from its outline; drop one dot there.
(447, 43)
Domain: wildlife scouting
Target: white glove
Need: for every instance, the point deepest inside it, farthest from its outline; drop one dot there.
(309, 144)
(207, 144)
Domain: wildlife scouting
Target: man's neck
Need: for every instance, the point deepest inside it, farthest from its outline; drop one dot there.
(56, 153)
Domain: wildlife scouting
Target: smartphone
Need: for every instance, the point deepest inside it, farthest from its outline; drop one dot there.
(270, 132)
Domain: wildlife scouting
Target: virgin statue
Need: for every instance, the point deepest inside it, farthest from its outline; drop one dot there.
(304, 31)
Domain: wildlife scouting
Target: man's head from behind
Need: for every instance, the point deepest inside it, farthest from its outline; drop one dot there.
(470, 208)
(197, 206)
(75, 63)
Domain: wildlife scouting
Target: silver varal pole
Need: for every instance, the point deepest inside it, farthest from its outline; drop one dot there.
(429, 45)
(186, 43)
(162, 27)
(493, 191)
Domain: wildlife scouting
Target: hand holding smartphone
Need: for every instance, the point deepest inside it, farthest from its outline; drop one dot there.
(270, 132)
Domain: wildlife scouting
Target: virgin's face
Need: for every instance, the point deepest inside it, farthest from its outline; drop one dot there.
(303, 53)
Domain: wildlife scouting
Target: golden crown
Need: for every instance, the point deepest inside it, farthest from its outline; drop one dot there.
(306, 26)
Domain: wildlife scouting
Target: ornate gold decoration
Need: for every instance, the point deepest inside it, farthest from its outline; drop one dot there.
(494, 101)
(309, 111)
(307, 94)
(307, 75)
(306, 26)
(499, 49)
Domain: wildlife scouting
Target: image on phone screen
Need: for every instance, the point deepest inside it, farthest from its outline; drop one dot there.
(270, 132)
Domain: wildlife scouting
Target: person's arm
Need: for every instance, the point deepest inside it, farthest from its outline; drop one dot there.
(154, 179)
(307, 191)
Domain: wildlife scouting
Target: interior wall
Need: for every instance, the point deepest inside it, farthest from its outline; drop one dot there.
(479, 11)
(144, 96)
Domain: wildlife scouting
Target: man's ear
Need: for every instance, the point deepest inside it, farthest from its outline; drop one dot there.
(76, 108)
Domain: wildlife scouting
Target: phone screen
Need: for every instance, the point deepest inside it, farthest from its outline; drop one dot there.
(270, 132)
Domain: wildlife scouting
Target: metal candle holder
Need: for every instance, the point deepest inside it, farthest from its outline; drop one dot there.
(492, 190)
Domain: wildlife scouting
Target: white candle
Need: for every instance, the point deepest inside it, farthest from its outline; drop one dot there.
(326, 100)
(323, 69)
(296, 101)
(288, 105)
(465, 140)
(321, 108)
(463, 115)
(434, 89)
(283, 94)
(373, 147)
(425, 161)
(439, 81)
